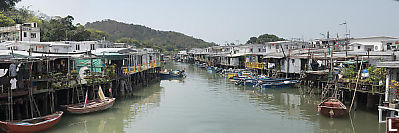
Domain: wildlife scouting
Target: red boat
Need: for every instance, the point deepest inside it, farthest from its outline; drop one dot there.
(91, 106)
(332, 107)
(31, 125)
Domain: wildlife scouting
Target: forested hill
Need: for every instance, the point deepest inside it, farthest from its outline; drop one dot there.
(167, 40)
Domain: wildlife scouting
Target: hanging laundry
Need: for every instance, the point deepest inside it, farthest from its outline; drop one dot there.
(13, 83)
(13, 70)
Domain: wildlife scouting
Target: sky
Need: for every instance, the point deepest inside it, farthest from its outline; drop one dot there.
(235, 21)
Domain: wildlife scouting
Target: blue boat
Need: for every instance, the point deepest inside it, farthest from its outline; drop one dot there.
(250, 82)
(172, 74)
(243, 80)
(285, 84)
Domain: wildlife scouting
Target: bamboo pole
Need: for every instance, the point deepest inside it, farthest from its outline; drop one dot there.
(357, 83)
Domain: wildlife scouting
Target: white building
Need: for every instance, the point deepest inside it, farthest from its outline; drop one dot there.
(53, 47)
(369, 44)
(20, 32)
(392, 44)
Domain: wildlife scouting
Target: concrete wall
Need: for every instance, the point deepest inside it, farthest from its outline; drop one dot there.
(294, 65)
(234, 61)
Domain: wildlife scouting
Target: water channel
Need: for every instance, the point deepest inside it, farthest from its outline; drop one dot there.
(206, 102)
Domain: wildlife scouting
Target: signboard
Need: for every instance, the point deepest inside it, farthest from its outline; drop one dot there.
(97, 64)
(392, 125)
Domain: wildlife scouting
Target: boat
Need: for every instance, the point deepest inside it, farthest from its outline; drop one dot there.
(246, 73)
(275, 84)
(332, 107)
(172, 74)
(268, 80)
(91, 106)
(94, 105)
(230, 75)
(247, 82)
(203, 65)
(238, 78)
(31, 125)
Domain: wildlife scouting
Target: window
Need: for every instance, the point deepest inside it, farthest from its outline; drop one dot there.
(293, 61)
(259, 50)
(25, 34)
(77, 46)
(92, 47)
(32, 35)
(250, 50)
(376, 48)
(358, 47)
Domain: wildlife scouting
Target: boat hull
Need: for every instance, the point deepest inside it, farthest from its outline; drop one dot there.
(231, 75)
(166, 76)
(332, 112)
(332, 107)
(99, 106)
(22, 127)
(277, 85)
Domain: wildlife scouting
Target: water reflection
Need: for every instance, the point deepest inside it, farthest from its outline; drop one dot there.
(293, 103)
(297, 104)
(116, 119)
(207, 102)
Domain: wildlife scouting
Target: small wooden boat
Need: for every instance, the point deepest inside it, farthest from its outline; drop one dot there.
(31, 125)
(332, 107)
(91, 106)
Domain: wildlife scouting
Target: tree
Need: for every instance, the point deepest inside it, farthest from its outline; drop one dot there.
(252, 40)
(5, 21)
(349, 71)
(268, 38)
(376, 74)
(264, 38)
(18, 16)
(80, 34)
(130, 41)
(151, 37)
(7, 4)
(58, 29)
(97, 34)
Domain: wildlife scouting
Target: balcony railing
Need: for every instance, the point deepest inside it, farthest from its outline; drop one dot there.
(253, 65)
(141, 67)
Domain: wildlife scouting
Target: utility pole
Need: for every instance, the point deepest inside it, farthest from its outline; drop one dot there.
(346, 37)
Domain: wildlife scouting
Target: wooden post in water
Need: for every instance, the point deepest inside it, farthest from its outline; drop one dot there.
(357, 82)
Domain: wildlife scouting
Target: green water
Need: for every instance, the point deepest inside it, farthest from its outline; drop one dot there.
(208, 103)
